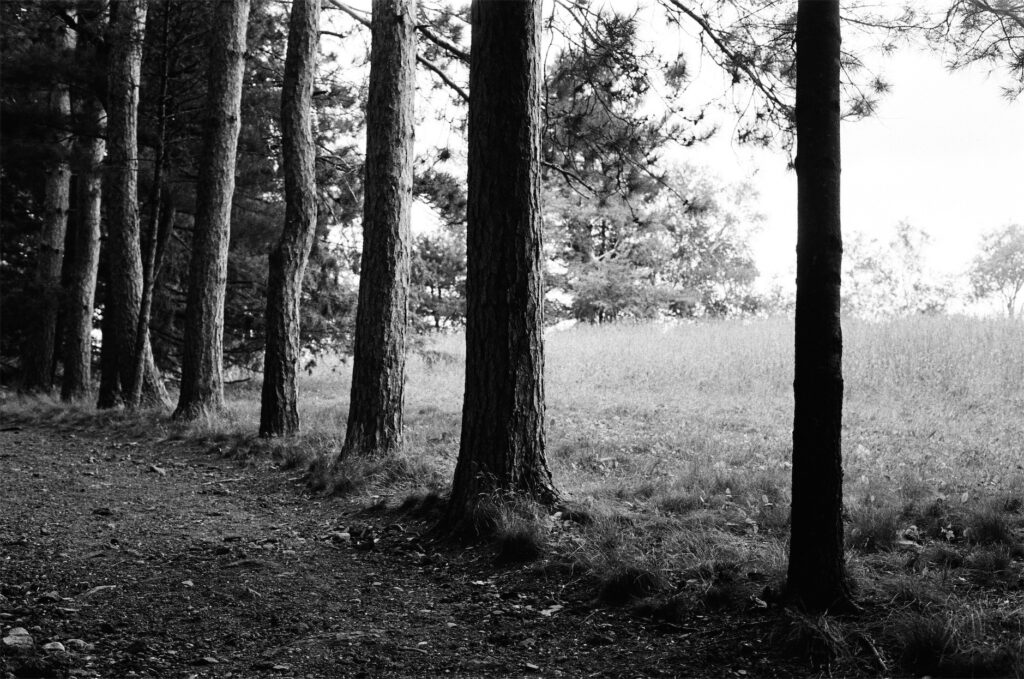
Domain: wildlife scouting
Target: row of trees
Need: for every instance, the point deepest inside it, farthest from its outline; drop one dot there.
(502, 449)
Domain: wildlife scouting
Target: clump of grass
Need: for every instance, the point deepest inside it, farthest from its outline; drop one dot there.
(576, 513)
(629, 583)
(942, 647)
(873, 529)
(519, 533)
(943, 556)
(723, 596)
(426, 505)
(673, 610)
(681, 503)
(989, 526)
(992, 566)
(912, 593)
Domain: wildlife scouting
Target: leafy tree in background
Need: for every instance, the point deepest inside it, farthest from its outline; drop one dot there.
(890, 278)
(998, 270)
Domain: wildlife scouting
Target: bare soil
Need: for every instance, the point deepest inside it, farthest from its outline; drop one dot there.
(149, 558)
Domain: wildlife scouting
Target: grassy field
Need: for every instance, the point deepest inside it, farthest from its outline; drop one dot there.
(675, 442)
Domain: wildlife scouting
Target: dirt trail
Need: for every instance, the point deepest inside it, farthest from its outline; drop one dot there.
(157, 559)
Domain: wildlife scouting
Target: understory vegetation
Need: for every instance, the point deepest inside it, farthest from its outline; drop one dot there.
(671, 445)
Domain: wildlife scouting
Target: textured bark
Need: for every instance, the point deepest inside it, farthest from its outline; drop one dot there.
(817, 578)
(39, 366)
(279, 413)
(202, 381)
(502, 447)
(81, 295)
(150, 265)
(124, 256)
(378, 368)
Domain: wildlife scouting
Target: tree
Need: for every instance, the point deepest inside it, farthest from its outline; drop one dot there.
(817, 578)
(998, 270)
(378, 369)
(202, 381)
(85, 253)
(502, 447)
(40, 356)
(986, 31)
(124, 250)
(890, 278)
(279, 408)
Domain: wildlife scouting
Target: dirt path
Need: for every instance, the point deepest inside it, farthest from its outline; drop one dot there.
(156, 559)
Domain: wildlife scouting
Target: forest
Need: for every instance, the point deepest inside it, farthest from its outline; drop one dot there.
(409, 339)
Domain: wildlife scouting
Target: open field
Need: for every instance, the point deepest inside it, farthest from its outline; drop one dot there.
(674, 442)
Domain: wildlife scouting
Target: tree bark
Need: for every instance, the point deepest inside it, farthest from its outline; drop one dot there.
(279, 413)
(81, 296)
(124, 255)
(502, 448)
(39, 372)
(817, 578)
(378, 369)
(150, 265)
(202, 381)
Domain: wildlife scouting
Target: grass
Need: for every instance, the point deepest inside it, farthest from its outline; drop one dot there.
(671, 445)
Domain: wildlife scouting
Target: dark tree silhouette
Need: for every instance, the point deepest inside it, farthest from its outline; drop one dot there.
(202, 380)
(279, 406)
(124, 253)
(84, 263)
(502, 449)
(817, 577)
(39, 357)
(378, 368)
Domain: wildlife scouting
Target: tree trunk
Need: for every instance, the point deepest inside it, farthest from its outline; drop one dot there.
(502, 447)
(279, 413)
(378, 367)
(133, 394)
(817, 578)
(85, 264)
(39, 372)
(124, 255)
(202, 381)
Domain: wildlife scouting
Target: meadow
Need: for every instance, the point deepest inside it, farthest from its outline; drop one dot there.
(673, 442)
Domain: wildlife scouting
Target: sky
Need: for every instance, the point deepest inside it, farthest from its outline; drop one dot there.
(944, 151)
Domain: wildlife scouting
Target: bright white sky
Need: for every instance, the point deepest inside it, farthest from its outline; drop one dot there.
(945, 152)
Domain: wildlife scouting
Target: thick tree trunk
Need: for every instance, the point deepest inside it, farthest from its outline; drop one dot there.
(124, 255)
(39, 367)
(378, 368)
(202, 381)
(85, 263)
(279, 414)
(502, 447)
(817, 578)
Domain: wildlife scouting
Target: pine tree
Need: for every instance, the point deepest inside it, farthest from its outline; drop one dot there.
(279, 403)
(378, 372)
(40, 356)
(817, 577)
(502, 448)
(202, 381)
